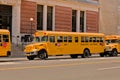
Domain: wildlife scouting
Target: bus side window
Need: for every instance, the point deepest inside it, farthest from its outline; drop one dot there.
(86, 39)
(5, 38)
(52, 38)
(90, 40)
(94, 39)
(119, 41)
(69, 39)
(98, 39)
(65, 39)
(76, 39)
(82, 39)
(59, 39)
(101, 39)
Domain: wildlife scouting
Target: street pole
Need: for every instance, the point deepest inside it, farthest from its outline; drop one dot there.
(31, 21)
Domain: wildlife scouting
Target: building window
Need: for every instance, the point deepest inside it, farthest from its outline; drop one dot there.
(39, 17)
(74, 15)
(6, 17)
(81, 21)
(49, 17)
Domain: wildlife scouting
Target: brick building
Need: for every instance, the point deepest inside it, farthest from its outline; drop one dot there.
(53, 15)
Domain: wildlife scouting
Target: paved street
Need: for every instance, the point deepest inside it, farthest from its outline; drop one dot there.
(60, 68)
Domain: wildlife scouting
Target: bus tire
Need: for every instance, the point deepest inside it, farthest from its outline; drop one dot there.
(42, 54)
(74, 56)
(102, 54)
(30, 57)
(86, 53)
(114, 52)
(8, 53)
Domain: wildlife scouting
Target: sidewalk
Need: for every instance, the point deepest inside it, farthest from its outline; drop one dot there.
(17, 51)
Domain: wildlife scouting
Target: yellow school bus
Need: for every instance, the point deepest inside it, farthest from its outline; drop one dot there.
(5, 43)
(112, 45)
(50, 43)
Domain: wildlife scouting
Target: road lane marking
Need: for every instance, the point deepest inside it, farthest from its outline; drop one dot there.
(59, 65)
(109, 68)
(6, 63)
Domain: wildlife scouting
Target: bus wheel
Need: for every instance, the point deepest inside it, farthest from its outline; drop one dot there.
(86, 53)
(74, 56)
(102, 55)
(114, 52)
(30, 57)
(42, 55)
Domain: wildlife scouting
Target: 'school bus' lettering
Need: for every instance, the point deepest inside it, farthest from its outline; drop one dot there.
(5, 43)
(48, 43)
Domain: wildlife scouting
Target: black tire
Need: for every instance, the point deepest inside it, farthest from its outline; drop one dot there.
(74, 56)
(86, 54)
(102, 54)
(114, 52)
(30, 57)
(42, 55)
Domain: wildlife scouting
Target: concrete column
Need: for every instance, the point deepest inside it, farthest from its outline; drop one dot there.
(53, 18)
(118, 28)
(85, 27)
(16, 23)
(45, 17)
(78, 21)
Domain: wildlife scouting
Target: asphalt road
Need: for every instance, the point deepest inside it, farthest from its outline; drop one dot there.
(60, 68)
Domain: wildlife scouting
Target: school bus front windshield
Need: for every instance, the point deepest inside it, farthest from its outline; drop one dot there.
(40, 39)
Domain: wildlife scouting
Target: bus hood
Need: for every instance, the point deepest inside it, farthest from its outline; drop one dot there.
(33, 47)
(109, 47)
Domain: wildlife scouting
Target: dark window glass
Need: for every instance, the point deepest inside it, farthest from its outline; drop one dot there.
(59, 39)
(6, 17)
(82, 21)
(69, 39)
(101, 39)
(119, 41)
(74, 15)
(5, 38)
(90, 40)
(76, 39)
(49, 17)
(52, 38)
(44, 39)
(98, 39)
(37, 39)
(65, 39)
(82, 39)
(94, 39)
(86, 39)
(39, 17)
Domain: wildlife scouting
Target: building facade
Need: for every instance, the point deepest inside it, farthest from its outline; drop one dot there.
(24, 17)
(109, 16)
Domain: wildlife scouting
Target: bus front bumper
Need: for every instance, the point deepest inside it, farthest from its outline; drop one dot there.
(33, 53)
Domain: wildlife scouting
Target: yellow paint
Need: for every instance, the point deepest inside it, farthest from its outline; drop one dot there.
(5, 43)
(67, 48)
(116, 45)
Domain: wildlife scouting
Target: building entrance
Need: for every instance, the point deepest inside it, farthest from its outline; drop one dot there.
(6, 17)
